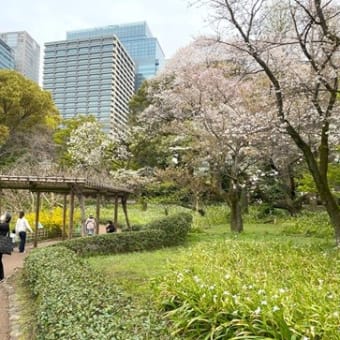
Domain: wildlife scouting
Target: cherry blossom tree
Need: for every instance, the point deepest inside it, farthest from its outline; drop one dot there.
(302, 62)
(91, 150)
(201, 99)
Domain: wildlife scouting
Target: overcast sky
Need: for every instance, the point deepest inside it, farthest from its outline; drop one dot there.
(173, 22)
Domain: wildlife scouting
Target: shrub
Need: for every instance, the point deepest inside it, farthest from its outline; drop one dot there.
(52, 220)
(165, 232)
(175, 227)
(254, 290)
(74, 302)
(114, 243)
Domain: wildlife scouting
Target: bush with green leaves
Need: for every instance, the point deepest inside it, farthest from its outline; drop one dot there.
(254, 290)
(169, 231)
(74, 302)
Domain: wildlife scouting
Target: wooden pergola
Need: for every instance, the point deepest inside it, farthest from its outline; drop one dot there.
(68, 186)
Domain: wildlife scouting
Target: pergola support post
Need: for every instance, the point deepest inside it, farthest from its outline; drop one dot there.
(115, 217)
(63, 236)
(70, 227)
(37, 212)
(97, 213)
(124, 204)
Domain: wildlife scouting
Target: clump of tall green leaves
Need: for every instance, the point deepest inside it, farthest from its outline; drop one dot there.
(309, 224)
(254, 290)
(213, 215)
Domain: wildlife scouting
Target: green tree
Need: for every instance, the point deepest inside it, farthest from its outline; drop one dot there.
(26, 111)
(139, 102)
(148, 147)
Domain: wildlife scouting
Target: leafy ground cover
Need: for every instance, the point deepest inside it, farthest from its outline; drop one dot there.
(218, 285)
(260, 284)
(252, 289)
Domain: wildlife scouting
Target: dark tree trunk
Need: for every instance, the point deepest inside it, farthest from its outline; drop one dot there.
(234, 200)
(245, 200)
(82, 212)
(333, 213)
(319, 173)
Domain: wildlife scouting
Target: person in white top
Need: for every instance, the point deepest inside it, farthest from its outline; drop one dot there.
(90, 225)
(21, 228)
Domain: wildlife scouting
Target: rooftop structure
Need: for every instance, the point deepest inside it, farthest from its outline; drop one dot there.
(138, 40)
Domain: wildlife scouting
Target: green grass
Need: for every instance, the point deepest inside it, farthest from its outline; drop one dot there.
(251, 289)
(149, 278)
(261, 260)
(136, 214)
(135, 271)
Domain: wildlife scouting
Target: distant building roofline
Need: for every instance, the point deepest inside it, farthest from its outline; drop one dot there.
(106, 26)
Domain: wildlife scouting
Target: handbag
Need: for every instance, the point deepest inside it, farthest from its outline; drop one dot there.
(6, 245)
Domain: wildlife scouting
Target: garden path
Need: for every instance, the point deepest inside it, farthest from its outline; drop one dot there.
(12, 264)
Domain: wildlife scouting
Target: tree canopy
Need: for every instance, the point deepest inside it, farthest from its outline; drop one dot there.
(26, 111)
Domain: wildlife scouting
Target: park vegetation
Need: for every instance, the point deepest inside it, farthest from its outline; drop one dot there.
(240, 128)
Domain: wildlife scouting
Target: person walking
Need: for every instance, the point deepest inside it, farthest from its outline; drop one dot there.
(21, 228)
(4, 230)
(90, 225)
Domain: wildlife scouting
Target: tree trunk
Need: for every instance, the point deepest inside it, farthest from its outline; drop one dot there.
(328, 199)
(333, 213)
(245, 200)
(82, 212)
(236, 221)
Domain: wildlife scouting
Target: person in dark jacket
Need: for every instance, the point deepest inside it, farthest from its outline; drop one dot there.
(110, 228)
(4, 230)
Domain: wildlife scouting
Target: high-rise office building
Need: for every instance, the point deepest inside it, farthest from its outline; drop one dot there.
(26, 53)
(92, 76)
(142, 46)
(6, 56)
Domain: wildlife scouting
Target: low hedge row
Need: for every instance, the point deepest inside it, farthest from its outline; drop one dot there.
(73, 301)
(165, 232)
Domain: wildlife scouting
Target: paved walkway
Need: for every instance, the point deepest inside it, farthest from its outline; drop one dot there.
(12, 263)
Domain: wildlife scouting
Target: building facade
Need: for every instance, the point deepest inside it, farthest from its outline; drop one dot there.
(6, 56)
(143, 48)
(91, 76)
(26, 53)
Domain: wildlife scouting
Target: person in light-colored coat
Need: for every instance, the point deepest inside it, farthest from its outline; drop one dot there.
(21, 228)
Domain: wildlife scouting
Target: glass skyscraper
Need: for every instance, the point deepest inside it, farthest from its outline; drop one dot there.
(143, 48)
(91, 76)
(6, 56)
(26, 53)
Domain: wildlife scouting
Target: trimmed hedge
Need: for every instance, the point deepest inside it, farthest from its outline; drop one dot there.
(165, 232)
(74, 302)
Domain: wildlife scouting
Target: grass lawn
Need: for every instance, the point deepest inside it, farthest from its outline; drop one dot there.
(219, 279)
(134, 272)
